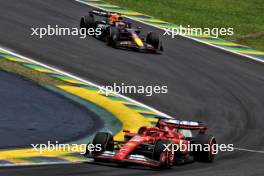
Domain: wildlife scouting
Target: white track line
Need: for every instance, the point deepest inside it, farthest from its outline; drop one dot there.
(85, 81)
(197, 40)
(249, 150)
(45, 163)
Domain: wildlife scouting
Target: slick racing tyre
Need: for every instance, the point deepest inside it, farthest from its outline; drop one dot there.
(207, 142)
(113, 36)
(166, 158)
(105, 140)
(87, 22)
(153, 39)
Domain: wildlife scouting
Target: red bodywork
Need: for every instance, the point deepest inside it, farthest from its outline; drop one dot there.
(165, 130)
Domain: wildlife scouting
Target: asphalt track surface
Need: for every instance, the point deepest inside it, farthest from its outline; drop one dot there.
(204, 83)
(31, 114)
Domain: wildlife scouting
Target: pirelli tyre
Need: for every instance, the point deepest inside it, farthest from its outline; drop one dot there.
(87, 22)
(153, 39)
(166, 158)
(105, 140)
(208, 148)
(113, 36)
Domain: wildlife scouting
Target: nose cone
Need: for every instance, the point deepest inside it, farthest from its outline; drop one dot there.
(126, 149)
(139, 42)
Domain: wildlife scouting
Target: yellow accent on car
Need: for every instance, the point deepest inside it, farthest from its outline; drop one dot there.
(139, 42)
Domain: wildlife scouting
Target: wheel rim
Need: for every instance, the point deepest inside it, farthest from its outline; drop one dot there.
(212, 149)
(167, 159)
(171, 159)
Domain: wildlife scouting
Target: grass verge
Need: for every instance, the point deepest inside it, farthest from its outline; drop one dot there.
(246, 17)
(27, 73)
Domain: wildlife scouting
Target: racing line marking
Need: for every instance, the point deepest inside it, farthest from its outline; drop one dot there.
(248, 150)
(85, 81)
(44, 163)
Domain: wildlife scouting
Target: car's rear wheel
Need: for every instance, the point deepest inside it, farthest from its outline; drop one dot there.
(153, 39)
(105, 140)
(166, 158)
(207, 142)
(87, 22)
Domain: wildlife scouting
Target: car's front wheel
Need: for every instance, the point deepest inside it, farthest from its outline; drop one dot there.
(113, 36)
(153, 39)
(161, 154)
(105, 142)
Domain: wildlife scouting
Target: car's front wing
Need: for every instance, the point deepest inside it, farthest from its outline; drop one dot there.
(133, 158)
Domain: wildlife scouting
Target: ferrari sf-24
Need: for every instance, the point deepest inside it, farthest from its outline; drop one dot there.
(152, 146)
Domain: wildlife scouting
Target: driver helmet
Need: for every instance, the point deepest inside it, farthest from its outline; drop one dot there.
(115, 18)
(152, 131)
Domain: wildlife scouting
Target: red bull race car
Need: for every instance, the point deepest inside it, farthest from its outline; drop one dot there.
(118, 33)
(167, 144)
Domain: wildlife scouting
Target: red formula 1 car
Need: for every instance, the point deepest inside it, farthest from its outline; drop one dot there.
(158, 145)
(119, 33)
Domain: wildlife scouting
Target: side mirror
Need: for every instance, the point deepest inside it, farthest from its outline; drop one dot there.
(126, 131)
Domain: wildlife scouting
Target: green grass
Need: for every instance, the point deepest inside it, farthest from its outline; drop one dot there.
(27, 73)
(245, 16)
(254, 42)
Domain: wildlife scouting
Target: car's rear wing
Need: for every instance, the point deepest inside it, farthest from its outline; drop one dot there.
(183, 123)
(102, 13)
